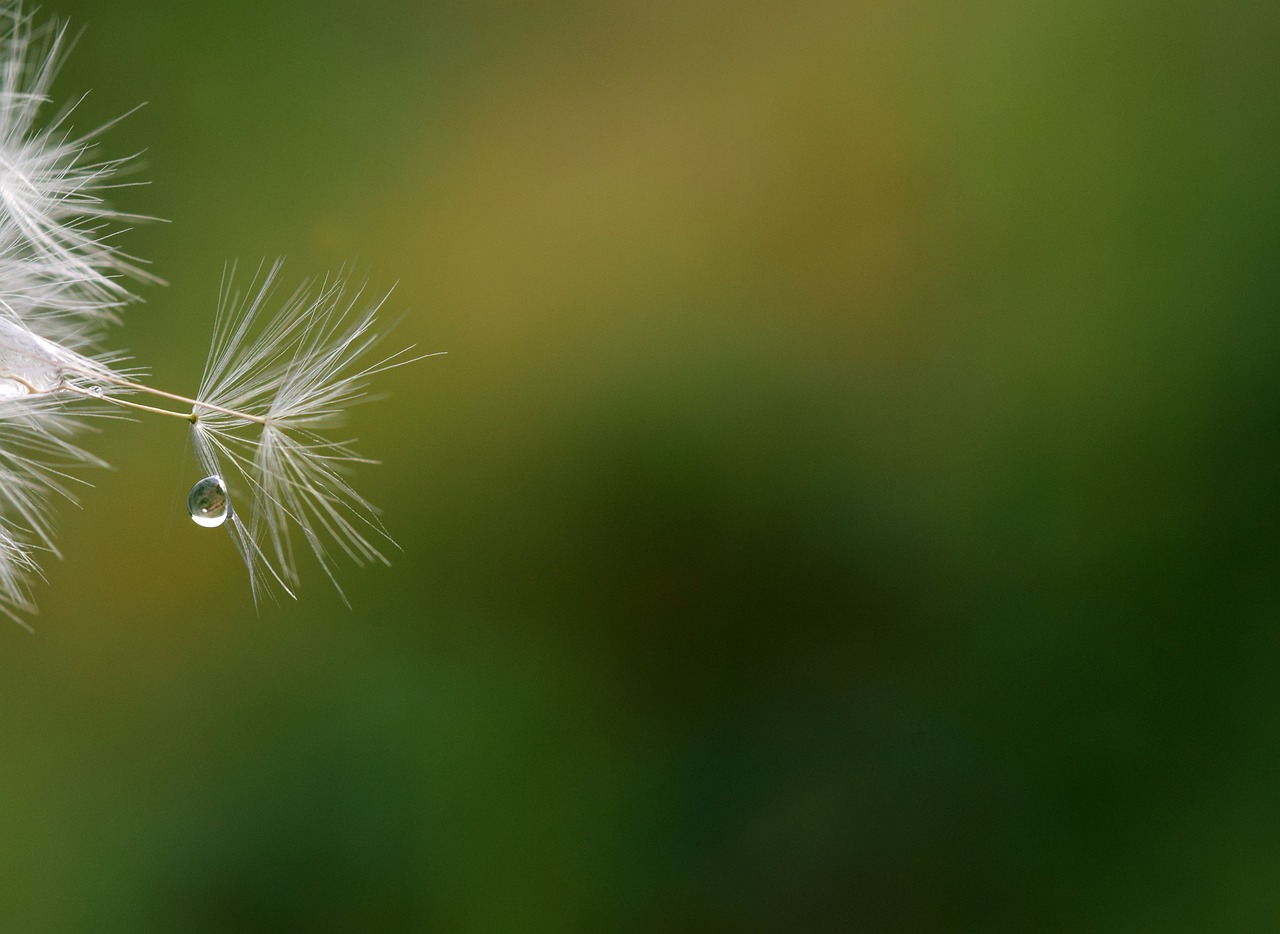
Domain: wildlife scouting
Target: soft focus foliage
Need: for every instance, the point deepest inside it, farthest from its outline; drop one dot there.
(844, 505)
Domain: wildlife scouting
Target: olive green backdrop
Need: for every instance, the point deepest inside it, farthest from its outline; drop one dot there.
(848, 502)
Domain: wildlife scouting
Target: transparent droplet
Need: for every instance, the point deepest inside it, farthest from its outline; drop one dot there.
(207, 502)
(96, 390)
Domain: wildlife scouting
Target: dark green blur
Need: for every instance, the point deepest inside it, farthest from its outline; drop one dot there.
(848, 502)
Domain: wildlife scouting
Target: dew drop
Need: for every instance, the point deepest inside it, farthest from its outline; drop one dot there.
(96, 390)
(207, 502)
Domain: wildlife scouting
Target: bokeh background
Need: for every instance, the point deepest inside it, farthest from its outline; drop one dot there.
(848, 502)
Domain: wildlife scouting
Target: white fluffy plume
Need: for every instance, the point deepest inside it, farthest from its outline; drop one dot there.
(273, 384)
(60, 281)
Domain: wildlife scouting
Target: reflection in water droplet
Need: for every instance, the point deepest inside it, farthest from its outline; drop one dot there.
(96, 390)
(207, 502)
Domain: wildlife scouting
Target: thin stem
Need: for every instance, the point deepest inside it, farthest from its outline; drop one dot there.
(139, 387)
(125, 402)
(22, 382)
(160, 393)
(192, 416)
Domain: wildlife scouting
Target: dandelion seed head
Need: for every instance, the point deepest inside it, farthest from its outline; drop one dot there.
(282, 373)
(61, 281)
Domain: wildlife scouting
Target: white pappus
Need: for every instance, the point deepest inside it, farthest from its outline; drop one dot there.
(282, 369)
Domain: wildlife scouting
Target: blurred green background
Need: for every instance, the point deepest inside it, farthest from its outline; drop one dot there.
(848, 502)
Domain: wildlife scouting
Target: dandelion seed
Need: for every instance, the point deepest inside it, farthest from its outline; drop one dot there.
(60, 282)
(272, 386)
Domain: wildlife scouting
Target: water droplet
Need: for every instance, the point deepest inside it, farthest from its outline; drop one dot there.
(96, 390)
(207, 502)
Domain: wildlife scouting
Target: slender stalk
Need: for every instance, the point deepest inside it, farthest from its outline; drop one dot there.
(194, 403)
(159, 393)
(191, 416)
(22, 382)
(187, 417)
